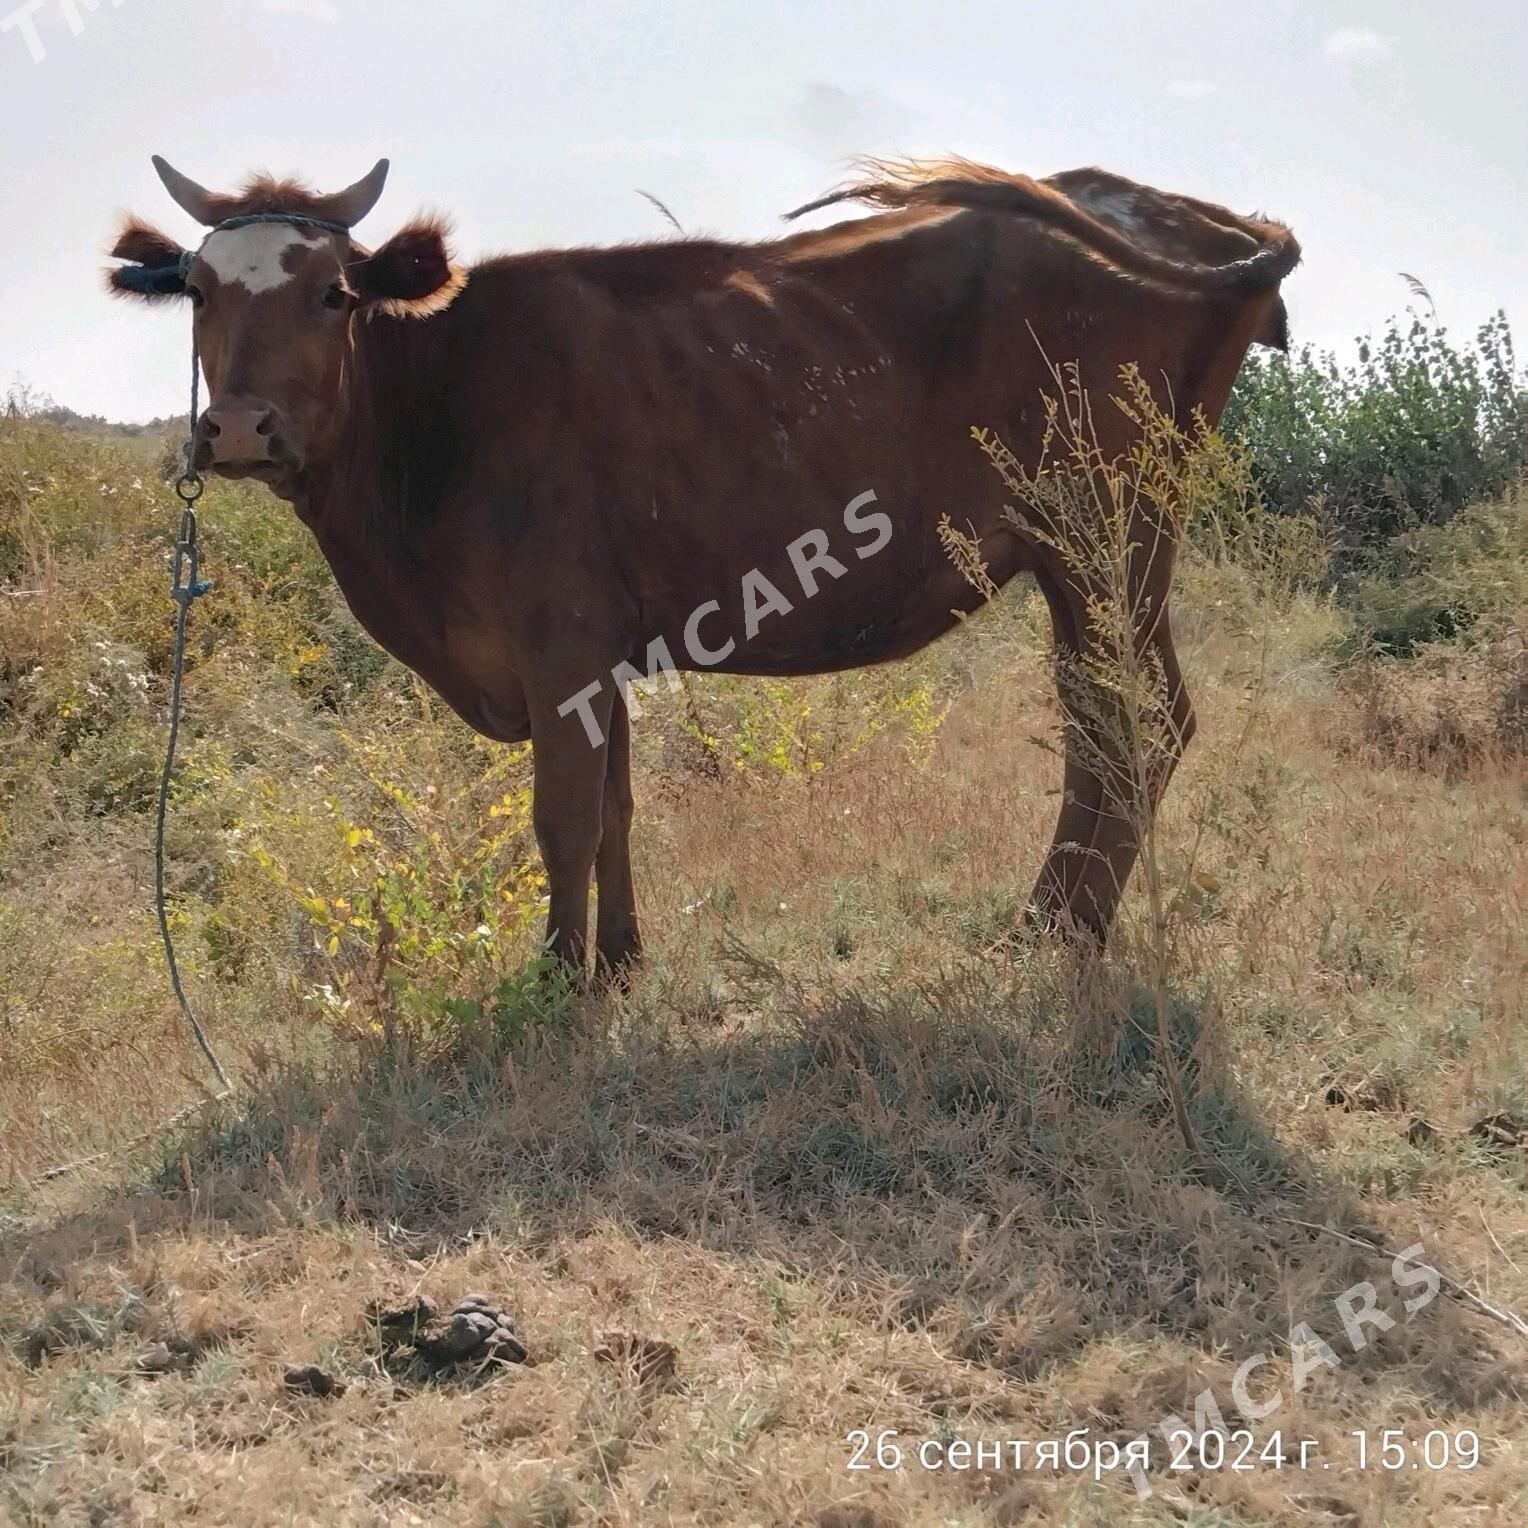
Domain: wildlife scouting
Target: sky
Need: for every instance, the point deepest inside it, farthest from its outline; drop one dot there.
(1392, 137)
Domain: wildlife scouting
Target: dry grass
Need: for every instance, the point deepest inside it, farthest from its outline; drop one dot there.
(867, 1157)
(1447, 706)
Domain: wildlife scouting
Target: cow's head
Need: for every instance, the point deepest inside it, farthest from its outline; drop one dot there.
(277, 287)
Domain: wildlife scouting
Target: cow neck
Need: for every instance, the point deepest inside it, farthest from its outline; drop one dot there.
(389, 471)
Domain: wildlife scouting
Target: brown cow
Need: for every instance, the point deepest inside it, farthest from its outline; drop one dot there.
(557, 470)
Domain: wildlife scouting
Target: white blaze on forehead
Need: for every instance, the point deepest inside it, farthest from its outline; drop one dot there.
(255, 256)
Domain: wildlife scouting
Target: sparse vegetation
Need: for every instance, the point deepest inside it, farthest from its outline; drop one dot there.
(856, 1151)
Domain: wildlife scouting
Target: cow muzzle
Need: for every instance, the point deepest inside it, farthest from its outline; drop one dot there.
(239, 439)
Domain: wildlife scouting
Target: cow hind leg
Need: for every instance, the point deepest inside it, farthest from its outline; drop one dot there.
(617, 939)
(1062, 871)
(1135, 758)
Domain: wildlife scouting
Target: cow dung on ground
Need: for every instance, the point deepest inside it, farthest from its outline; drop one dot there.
(398, 1322)
(310, 1379)
(475, 1331)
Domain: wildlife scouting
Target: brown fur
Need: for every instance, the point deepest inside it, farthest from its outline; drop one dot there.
(144, 245)
(748, 281)
(264, 192)
(901, 183)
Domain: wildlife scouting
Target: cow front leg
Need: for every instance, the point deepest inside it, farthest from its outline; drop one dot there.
(617, 940)
(570, 754)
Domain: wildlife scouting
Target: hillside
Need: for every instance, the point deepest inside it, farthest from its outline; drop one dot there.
(858, 1154)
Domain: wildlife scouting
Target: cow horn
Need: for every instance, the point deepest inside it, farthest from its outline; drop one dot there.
(192, 198)
(349, 206)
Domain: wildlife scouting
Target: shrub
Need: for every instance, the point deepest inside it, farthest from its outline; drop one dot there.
(1408, 435)
(1464, 580)
(1446, 708)
(1100, 517)
(414, 879)
(317, 833)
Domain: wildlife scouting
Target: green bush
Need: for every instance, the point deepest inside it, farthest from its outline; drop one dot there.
(1408, 435)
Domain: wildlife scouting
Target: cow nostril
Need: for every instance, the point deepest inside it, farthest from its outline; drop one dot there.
(211, 428)
(266, 426)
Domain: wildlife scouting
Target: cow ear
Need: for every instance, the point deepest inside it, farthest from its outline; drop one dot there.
(1275, 330)
(157, 264)
(412, 275)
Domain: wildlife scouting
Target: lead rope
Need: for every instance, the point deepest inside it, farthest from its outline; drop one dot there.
(185, 586)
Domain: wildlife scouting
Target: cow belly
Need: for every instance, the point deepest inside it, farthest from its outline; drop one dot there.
(873, 614)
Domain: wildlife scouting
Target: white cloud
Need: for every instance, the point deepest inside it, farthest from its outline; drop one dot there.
(1191, 90)
(317, 10)
(1357, 42)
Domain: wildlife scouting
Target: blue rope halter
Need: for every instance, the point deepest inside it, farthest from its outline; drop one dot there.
(170, 280)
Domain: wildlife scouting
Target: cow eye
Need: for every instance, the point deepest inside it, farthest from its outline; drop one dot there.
(335, 296)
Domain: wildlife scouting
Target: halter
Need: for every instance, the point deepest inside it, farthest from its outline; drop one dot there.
(170, 280)
(301, 220)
